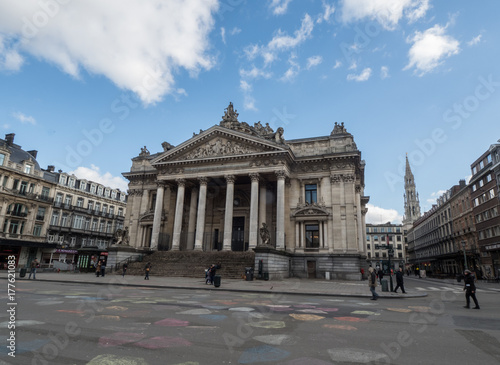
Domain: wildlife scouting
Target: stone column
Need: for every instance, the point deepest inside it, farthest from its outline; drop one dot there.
(200, 220)
(254, 216)
(335, 231)
(179, 207)
(157, 217)
(262, 208)
(359, 219)
(280, 211)
(228, 217)
(192, 218)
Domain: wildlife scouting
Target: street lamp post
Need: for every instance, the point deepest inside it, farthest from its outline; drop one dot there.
(465, 257)
(390, 254)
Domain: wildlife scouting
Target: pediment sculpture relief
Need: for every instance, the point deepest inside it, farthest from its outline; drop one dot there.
(219, 147)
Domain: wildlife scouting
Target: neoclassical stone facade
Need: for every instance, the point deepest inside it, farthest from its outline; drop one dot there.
(220, 189)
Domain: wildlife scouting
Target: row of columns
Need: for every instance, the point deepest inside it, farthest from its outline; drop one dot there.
(256, 210)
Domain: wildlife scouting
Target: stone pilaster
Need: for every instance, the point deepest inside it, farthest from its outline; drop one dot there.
(200, 220)
(228, 217)
(179, 207)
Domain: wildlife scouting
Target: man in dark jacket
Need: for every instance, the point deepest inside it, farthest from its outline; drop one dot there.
(399, 281)
(470, 289)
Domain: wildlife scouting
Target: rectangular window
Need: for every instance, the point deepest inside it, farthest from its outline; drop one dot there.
(64, 220)
(312, 236)
(92, 188)
(78, 222)
(120, 212)
(398, 238)
(79, 202)
(368, 238)
(111, 210)
(14, 226)
(59, 198)
(40, 215)
(104, 208)
(37, 230)
(99, 190)
(375, 229)
(27, 169)
(62, 180)
(2, 159)
(23, 189)
(68, 200)
(15, 184)
(45, 193)
(368, 246)
(311, 193)
(90, 205)
(55, 219)
(83, 185)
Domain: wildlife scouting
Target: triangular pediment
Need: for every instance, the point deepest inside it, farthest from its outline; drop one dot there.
(219, 143)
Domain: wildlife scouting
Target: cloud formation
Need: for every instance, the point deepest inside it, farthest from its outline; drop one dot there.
(387, 13)
(24, 118)
(94, 174)
(363, 76)
(279, 7)
(137, 45)
(377, 215)
(430, 48)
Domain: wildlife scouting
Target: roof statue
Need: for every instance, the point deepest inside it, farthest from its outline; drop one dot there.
(144, 151)
(339, 129)
(230, 120)
(166, 146)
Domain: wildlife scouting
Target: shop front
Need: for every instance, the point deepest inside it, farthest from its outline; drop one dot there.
(89, 257)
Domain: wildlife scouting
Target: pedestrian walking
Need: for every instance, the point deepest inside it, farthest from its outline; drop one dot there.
(372, 282)
(103, 268)
(399, 281)
(147, 270)
(470, 289)
(124, 269)
(380, 274)
(33, 266)
(98, 268)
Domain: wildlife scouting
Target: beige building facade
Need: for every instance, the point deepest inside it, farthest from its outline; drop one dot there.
(240, 187)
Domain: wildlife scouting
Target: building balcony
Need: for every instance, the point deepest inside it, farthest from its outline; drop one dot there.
(17, 214)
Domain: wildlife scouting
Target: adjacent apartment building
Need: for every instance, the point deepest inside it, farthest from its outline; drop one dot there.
(57, 218)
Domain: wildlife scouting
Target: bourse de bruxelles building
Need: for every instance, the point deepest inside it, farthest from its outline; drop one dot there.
(299, 203)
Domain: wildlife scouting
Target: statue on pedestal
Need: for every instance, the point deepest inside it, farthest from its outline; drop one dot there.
(264, 235)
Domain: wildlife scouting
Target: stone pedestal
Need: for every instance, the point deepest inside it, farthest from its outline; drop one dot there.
(117, 254)
(275, 263)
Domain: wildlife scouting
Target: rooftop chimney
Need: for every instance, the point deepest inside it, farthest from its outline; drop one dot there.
(9, 138)
(33, 153)
(51, 168)
(462, 183)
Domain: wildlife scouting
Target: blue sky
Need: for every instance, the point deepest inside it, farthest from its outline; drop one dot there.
(88, 83)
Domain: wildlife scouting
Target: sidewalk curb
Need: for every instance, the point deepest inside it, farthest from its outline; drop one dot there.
(258, 291)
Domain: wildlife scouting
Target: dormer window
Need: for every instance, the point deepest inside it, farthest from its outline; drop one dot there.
(99, 190)
(27, 169)
(92, 188)
(62, 180)
(2, 159)
(83, 185)
(71, 182)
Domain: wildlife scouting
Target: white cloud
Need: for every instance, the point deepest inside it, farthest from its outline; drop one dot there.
(474, 40)
(5, 126)
(363, 76)
(245, 86)
(430, 48)
(255, 73)
(384, 72)
(282, 41)
(24, 118)
(293, 70)
(377, 215)
(327, 13)
(10, 59)
(235, 31)
(353, 65)
(386, 12)
(337, 64)
(314, 61)
(110, 38)
(279, 7)
(223, 34)
(94, 174)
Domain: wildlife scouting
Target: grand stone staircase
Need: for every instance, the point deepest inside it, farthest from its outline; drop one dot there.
(193, 263)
